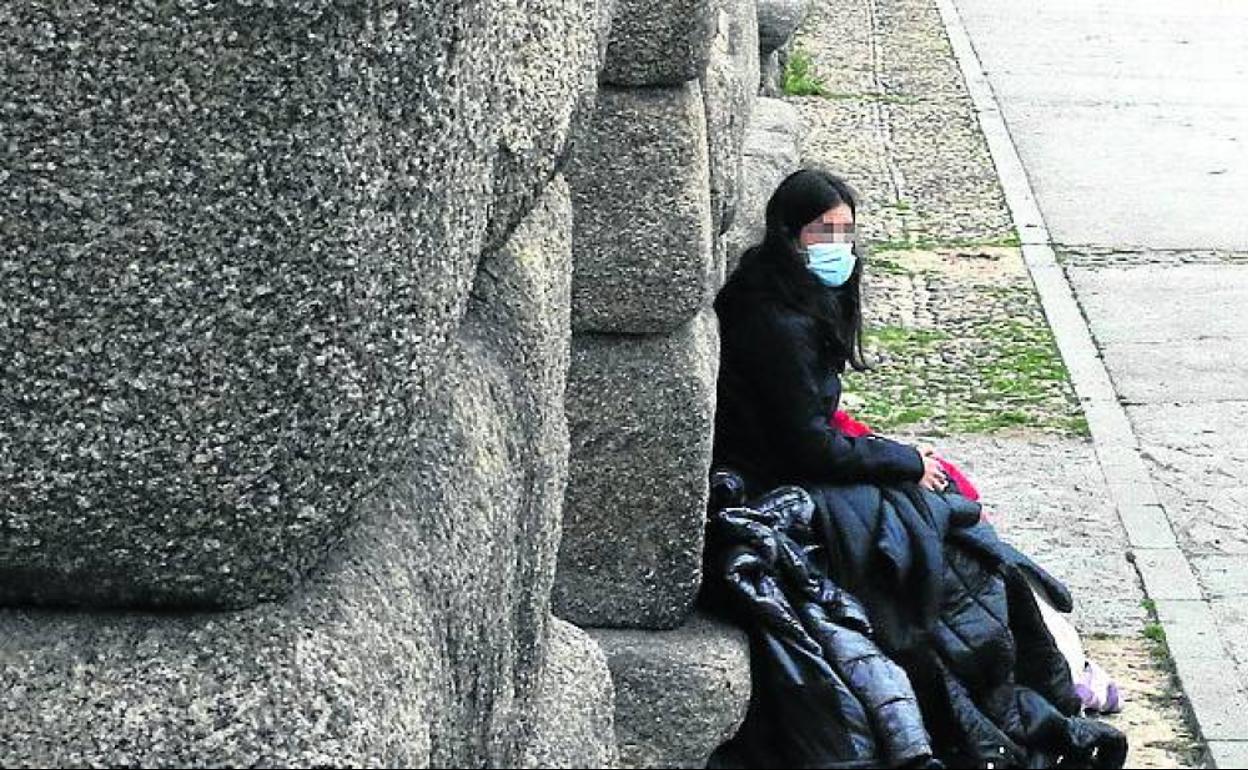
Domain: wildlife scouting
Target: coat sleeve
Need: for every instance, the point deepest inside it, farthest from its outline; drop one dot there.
(788, 384)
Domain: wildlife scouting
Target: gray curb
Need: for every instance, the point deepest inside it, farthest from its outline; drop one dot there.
(1217, 701)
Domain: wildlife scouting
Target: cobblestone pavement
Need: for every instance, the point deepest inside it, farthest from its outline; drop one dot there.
(964, 356)
(960, 339)
(960, 345)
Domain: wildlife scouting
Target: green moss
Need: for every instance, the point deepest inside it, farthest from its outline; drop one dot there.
(1158, 648)
(886, 266)
(896, 338)
(1155, 633)
(989, 376)
(929, 244)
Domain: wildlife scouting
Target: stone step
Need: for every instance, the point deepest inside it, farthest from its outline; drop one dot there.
(678, 694)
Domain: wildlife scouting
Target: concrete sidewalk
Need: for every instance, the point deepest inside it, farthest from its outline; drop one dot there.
(1131, 123)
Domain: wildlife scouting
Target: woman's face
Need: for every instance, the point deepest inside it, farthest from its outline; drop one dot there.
(835, 224)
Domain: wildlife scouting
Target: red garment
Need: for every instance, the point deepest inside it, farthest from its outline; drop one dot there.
(852, 428)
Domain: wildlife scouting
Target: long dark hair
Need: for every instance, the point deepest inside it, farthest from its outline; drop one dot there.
(779, 264)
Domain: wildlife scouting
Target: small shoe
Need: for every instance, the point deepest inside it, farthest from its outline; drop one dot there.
(1097, 691)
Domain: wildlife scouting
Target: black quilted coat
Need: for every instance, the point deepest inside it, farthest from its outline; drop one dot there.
(891, 628)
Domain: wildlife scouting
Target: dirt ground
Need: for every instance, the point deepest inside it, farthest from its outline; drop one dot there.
(1153, 713)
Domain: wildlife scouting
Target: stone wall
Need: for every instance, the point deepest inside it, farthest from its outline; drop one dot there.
(286, 314)
(778, 21)
(310, 315)
(654, 182)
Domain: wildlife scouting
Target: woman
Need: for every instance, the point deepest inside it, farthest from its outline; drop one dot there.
(790, 322)
(889, 625)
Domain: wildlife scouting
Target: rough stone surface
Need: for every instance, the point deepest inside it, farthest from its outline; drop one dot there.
(640, 414)
(678, 694)
(770, 155)
(642, 236)
(1153, 302)
(237, 241)
(1200, 472)
(419, 640)
(1102, 256)
(771, 74)
(658, 42)
(1231, 615)
(575, 712)
(1190, 373)
(549, 53)
(729, 85)
(777, 21)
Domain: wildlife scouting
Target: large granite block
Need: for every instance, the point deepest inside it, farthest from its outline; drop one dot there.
(237, 240)
(730, 85)
(575, 716)
(778, 20)
(642, 226)
(548, 56)
(658, 42)
(771, 153)
(419, 641)
(678, 694)
(640, 415)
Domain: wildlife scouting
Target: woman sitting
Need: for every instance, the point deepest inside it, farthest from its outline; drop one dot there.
(889, 625)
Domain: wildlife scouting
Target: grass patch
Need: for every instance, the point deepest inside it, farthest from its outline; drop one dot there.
(1027, 363)
(987, 376)
(930, 244)
(800, 78)
(899, 338)
(1158, 648)
(887, 266)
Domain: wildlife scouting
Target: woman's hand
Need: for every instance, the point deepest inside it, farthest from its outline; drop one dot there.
(934, 477)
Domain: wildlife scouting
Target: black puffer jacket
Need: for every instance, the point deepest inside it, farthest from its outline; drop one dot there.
(944, 598)
(823, 692)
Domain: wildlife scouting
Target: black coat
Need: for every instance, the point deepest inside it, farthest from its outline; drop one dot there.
(777, 387)
(845, 587)
(823, 694)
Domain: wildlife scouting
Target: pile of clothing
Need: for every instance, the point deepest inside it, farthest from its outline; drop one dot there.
(892, 627)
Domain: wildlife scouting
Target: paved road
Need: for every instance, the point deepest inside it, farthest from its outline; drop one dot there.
(1131, 121)
(1131, 116)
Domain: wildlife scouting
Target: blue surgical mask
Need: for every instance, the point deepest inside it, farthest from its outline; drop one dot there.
(832, 263)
